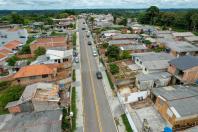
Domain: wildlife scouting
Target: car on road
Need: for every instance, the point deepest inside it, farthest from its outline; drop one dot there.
(99, 75)
(95, 53)
(83, 28)
(76, 59)
(75, 53)
(89, 43)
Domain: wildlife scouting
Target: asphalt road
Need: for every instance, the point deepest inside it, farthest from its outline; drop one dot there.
(97, 114)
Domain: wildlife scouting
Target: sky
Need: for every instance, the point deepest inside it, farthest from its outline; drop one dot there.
(86, 4)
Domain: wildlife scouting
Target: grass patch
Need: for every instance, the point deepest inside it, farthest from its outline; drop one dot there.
(74, 39)
(7, 94)
(73, 108)
(74, 75)
(195, 33)
(65, 121)
(110, 81)
(57, 34)
(126, 123)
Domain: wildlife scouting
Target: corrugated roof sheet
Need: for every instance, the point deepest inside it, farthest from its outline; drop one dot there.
(185, 62)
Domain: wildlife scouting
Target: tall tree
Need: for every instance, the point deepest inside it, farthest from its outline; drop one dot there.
(194, 19)
(152, 12)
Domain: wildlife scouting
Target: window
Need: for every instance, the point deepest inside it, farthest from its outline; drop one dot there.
(44, 76)
(32, 77)
(64, 60)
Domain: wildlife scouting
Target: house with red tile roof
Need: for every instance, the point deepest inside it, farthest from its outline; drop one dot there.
(49, 42)
(40, 73)
(13, 45)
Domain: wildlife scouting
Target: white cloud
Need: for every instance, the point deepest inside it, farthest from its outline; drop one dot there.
(70, 4)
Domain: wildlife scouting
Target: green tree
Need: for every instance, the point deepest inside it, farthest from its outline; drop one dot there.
(152, 12)
(125, 55)
(25, 49)
(123, 22)
(39, 51)
(113, 52)
(92, 19)
(114, 69)
(194, 19)
(12, 60)
(16, 19)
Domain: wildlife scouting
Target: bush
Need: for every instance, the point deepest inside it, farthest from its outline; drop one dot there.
(9, 94)
(114, 69)
(12, 60)
(126, 123)
(39, 51)
(126, 55)
(74, 39)
(113, 53)
(65, 121)
(73, 108)
(74, 75)
(105, 45)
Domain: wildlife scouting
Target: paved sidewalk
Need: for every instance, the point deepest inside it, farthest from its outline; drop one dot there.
(77, 84)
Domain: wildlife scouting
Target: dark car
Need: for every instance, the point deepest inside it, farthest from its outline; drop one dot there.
(75, 53)
(83, 28)
(99, 75)
(89, 43)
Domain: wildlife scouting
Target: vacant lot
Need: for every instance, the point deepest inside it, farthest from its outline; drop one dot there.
(7, 94)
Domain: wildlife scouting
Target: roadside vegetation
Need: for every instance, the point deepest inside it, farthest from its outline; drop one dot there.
(114, 69)
(57, 34)
(26, 48)
(74, 39)
(114, 54)
(39, 51)
(9, 93)
(126, 123)
(74, 75)
(73, 109)
(12, 60)
(65, 121)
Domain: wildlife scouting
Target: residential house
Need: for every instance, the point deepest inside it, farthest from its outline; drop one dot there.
(63, 23)
(126, 37)
(151, 62)
(152, 80)
(181, 35)
(49, 42)
(178, 48)
(184, 69)
(13, 46)
(164, 34)
(137, 28)
(55, 55)
(36, 97)
(178, 105)
(192, 39)
(10, 34)
(110, 33)
(138, 48)
(42, 121)
(41, 73)
(123, 42)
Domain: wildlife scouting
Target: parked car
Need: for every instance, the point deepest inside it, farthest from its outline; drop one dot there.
(83, 28)
(76, 59)
(99, 75)
(89, 43)
(75, 53)
(95, 53)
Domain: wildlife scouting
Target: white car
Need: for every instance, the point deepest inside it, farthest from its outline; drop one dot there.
(95, 53)
(76, 60)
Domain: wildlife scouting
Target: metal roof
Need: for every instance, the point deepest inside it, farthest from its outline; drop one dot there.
(182, 99)
(185, 62)
(43, 121)
(153, 76)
